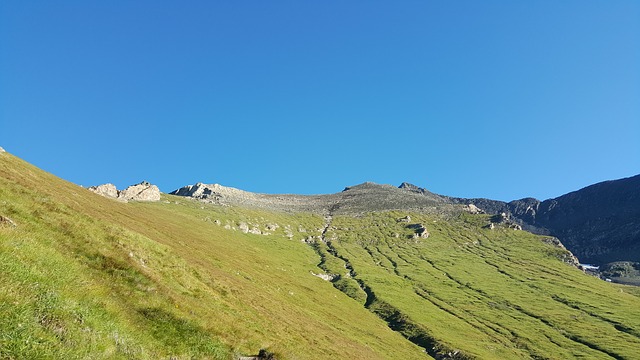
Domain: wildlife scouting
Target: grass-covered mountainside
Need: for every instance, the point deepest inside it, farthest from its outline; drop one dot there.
(83, 276)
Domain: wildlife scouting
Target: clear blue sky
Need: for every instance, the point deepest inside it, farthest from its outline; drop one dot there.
(498, 99)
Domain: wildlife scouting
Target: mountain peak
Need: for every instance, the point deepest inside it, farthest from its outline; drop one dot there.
(414, 188)
(368, 185)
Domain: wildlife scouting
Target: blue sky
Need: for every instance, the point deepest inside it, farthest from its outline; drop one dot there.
(498, 99)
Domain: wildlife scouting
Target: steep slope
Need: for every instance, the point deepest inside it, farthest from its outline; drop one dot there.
(599, 223)
(466, 291)
(83, 276)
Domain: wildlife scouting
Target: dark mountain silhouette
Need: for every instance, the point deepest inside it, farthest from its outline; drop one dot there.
(599, 223)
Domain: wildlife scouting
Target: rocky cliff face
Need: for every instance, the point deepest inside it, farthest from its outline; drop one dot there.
(599, 223)
(143, 191)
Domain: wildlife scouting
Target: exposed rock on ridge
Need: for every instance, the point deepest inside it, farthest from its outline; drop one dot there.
(143, 191)
(352, 200)
(107, 190)
(140, 192)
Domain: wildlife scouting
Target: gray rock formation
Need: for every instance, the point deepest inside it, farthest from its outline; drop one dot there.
(420, 231)
(107, 190)
(472, 209)
(143, 191)
(199, 191)
(566, 255)
(2, 150)
(505, 220)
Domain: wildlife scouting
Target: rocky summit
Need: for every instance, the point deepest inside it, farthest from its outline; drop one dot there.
(143, 191)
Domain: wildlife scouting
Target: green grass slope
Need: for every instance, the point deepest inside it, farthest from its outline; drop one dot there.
(470, 292)
(82, 276)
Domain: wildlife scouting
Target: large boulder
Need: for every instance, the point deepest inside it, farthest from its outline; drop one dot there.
(420, 231)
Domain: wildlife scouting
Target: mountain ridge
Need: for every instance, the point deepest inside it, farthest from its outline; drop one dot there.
(607, 208)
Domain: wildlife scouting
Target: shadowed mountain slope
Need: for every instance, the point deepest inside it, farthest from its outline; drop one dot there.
(599, 223)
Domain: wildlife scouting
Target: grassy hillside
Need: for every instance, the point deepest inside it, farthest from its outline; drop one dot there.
(82, 276)
(488, 294)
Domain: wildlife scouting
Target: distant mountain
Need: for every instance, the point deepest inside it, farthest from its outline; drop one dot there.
(356, 199)
(599, 223)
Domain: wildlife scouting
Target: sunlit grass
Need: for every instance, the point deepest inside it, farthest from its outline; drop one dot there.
(496, 293)
(87, 277)
(83, 276)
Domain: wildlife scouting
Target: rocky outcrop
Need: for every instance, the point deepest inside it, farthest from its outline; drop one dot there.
(420, 231)
(504, 219)
(197, 191)
(565, 255)
(143, 191)
(2, 150)
(472, 209)
(325, 277)
(107, 190)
